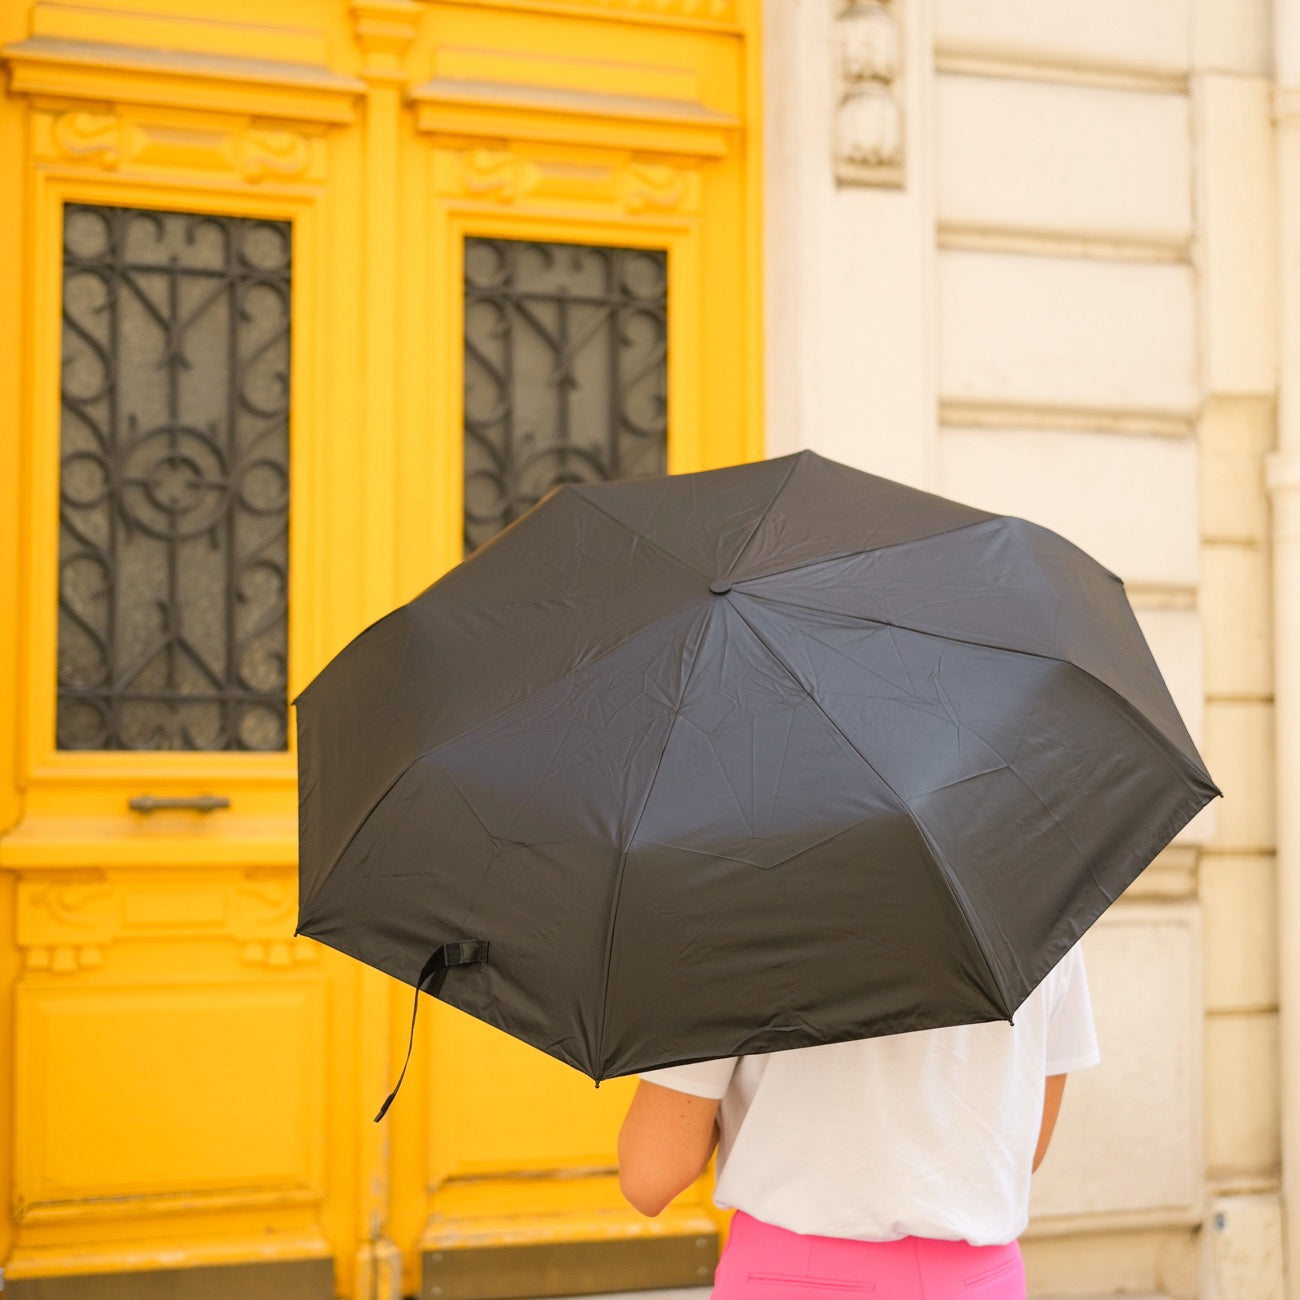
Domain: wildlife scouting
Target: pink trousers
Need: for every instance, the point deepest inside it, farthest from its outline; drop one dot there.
(761, 1262)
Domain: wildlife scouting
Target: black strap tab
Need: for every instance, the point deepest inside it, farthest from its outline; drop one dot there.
(465, 952)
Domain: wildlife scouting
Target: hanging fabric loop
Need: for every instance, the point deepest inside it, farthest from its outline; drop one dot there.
(433, 973)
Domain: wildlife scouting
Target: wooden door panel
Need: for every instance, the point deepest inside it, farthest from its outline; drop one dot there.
(192, 1087)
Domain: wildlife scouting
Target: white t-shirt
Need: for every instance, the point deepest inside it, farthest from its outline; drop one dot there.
(927, 1134)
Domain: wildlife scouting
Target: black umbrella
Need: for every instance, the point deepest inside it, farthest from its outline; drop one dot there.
(764, 757)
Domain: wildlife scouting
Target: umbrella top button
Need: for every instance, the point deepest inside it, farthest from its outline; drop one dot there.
(719, 586)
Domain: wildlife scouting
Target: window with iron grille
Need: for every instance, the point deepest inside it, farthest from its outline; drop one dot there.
(174, 483)
(566, 375)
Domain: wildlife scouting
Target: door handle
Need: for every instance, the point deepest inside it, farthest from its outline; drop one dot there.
(147, 803)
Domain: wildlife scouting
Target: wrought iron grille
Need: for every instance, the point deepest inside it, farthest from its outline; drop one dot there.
(174, 489)
(566, 377)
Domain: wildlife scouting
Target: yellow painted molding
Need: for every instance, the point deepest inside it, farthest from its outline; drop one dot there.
(384, 31)
(727, 15)
(236, 27)
(66, 920)
(100, 71)
(58, 1261)
(90, 1209)
(158, 141)
(514, 177)
(556, 114)
(446, 1232)
(69, 842)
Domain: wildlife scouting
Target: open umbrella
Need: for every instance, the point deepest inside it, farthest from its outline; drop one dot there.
(764, 757)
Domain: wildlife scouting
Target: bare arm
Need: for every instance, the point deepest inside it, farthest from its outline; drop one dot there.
(666, 1140)
(1051, 1109)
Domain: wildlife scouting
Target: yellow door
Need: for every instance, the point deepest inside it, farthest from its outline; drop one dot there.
(310, 301)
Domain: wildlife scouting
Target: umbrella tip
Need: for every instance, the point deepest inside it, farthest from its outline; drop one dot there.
(719, 586)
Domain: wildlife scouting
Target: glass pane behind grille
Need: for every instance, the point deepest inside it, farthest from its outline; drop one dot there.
(566, 374)
(174, 494)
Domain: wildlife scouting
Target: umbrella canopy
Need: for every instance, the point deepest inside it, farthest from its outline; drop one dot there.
(758, 758)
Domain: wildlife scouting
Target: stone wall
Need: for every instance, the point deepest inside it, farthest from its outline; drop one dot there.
(1057, 301)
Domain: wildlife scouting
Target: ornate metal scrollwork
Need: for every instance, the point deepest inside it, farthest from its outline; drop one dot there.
(174, 492)
(565, 372)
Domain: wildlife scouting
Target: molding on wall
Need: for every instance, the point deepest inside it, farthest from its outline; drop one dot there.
(1027, 67)
(102, 71)
(1042, 243)
(1161, 595)
(965, 413)
(1173, 875)
(1246, 1182)
(1066, 1225)
(869, 130)
(709, 14)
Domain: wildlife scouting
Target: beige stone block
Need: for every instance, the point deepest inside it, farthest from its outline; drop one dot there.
(1242, 1116)
(1239, 901)
(1236, 600)
(1130, 502)
(1064, 332)
(1239, 752)
(1235, 435)
(1242, 1249)
(1135, 1263)
(1174, 636)
(1070, 159)
(1151, 36)
(1237, 234)
(1232, 36)
(1129, 1133)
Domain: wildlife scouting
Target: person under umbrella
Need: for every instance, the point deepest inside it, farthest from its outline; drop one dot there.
(691, 773)
(897, 1167)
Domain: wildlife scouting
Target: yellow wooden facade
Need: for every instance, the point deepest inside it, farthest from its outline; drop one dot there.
(184, 1084)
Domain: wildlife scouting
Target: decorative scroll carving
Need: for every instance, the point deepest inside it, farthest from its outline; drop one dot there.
(869, 117)
(628, 186)
(268, 154)
(65, 926)
(121, 141)
(501, 176)
(93, 137)
(661, 188)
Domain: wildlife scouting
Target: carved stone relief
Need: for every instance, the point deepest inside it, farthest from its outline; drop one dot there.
(867, 36)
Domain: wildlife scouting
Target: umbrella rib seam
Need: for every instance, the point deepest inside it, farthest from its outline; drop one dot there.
(469, 731)
(641, 537)
(874, 550)
(627, 848)
(939, 861)
(767, 510)
(1170, 749)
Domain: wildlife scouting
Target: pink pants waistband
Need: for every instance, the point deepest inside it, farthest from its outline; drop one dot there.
(762, 1262)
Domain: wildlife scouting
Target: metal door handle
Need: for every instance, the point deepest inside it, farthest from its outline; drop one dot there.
(147, 803)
